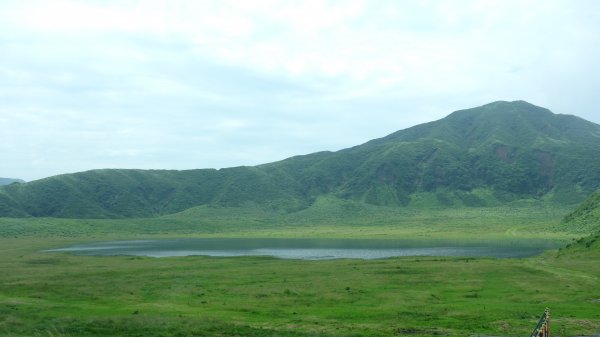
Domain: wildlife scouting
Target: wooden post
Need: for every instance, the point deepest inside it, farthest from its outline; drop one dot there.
(542, 329)
(547, 332)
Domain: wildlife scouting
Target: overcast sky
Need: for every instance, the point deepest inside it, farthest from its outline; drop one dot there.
(211, 84)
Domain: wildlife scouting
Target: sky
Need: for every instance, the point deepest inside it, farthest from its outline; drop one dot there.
(212, 84)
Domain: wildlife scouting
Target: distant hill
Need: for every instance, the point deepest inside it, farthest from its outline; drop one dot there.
(489, 155)
(586, 216)
(8, 181)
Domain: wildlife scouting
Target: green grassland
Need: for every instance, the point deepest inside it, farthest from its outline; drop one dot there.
(62, 295)
(327, 217)
(56, 294)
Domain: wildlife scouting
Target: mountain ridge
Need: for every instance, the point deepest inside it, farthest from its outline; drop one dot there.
(8, 181)
(498, 152)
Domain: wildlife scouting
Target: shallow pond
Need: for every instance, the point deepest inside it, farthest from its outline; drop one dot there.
(308, 249)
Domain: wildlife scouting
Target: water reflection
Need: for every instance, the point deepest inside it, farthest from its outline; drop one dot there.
(308, 249)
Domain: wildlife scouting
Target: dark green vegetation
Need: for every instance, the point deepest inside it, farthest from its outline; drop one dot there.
(486, 156)
(8, 181)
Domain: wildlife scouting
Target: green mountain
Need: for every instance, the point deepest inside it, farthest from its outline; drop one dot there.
(586, 217)
(8, 181)
(496, 153)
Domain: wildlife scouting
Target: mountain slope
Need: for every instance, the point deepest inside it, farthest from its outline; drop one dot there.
(8, 181)
(514, 148)
(139, 193)
(498, 152)
(586, 217)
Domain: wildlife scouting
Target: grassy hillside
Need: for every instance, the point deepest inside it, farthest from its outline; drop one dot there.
(585, 246)
(135, 193)
(586, 216)
(515, 148)
(485, 156)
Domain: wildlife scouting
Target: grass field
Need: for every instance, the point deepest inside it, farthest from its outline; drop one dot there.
(53, 294)
(328, 217)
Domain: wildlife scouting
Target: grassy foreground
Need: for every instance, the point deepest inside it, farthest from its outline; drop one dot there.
(45, 294)
(52, 294)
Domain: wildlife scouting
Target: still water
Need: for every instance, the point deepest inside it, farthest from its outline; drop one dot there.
(307, 249)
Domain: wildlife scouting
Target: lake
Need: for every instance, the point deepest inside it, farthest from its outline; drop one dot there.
(308, 249)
